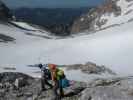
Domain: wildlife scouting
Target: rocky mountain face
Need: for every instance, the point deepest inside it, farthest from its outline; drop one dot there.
(107, 15)
(4, 12)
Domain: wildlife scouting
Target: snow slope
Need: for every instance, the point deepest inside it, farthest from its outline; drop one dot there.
(23, 32)
(111, 47)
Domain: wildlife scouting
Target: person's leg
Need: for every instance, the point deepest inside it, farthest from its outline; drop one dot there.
(55, 88)
(43, 81)
(61, 88)
(43, 84)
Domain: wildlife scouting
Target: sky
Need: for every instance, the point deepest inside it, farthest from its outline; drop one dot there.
(52, 3)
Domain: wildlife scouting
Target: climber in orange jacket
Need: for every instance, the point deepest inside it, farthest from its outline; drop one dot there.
(57, 76)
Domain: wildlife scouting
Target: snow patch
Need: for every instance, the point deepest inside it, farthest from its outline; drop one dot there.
(82, 19)
(25, 25)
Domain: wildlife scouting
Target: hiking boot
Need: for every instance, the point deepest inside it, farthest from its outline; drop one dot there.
(62, 95)
(44, 89)
(58, 98)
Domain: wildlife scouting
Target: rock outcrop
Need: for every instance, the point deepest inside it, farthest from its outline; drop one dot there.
(109, 89)
(4, 12)
(90, 68)
(116, 88)
(18, 86)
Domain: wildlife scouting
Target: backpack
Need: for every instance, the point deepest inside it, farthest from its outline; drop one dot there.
(60, 74)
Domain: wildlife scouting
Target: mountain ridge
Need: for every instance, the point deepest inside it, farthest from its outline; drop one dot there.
(109, 14)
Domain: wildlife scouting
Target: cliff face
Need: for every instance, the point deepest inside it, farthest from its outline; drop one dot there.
(98, 17)
(4, 12)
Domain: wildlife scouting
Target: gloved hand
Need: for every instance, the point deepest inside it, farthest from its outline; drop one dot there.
(53, 83)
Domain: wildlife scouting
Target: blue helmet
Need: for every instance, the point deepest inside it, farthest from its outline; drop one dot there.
(40, 65)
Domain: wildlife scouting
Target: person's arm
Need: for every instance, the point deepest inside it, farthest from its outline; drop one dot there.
(53, 75)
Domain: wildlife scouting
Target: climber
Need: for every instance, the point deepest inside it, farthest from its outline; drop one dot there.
(57, 76)
(45, 76)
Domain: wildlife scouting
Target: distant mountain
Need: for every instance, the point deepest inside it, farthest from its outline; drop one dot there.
(57, 20)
